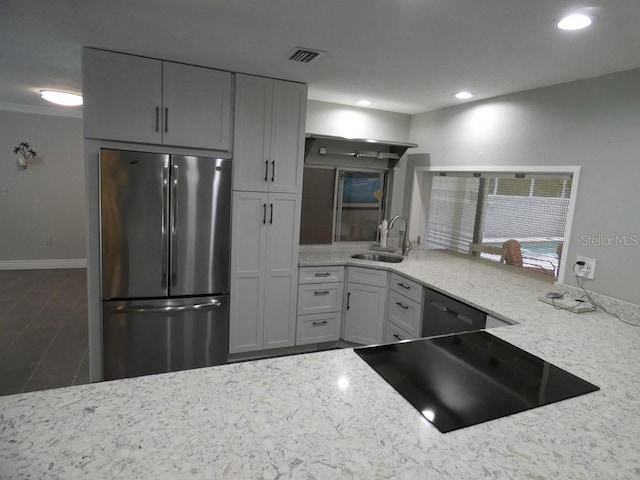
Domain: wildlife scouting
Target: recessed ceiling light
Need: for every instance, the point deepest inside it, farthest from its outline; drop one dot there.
(463, 95)
(364, 103)
(576, 21)
(62, 98)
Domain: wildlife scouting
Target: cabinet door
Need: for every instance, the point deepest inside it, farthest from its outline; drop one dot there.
(364, 317)
(287, 136)
(252, 133)
(283, 230)
(196, 106)
(123, 97)
(248, 263)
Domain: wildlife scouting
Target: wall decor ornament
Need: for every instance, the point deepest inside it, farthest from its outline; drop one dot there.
(24, 152)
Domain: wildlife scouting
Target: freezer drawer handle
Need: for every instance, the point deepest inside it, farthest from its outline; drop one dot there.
(318, 324)
(402, 305)
(404, 286)
(323, 292)
(180, 308)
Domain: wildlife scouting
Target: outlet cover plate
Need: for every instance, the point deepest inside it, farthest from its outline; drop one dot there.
(587, 270)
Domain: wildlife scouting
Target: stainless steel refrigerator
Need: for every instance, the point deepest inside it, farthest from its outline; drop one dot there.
(165, 235)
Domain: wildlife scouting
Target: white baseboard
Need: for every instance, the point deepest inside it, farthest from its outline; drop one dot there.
(43, 264)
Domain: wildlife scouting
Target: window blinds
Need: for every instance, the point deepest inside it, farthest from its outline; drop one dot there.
(491, 209)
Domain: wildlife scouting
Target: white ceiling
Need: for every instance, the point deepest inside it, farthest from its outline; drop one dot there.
(406, 56)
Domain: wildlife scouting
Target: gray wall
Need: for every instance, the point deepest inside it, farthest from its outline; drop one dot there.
(46, 199)
(355, 122)
(593, 123)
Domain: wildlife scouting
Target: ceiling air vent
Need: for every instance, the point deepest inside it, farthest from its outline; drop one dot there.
(305, 55)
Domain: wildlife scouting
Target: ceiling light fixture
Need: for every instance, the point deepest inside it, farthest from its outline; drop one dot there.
(463, 95)
(65, 99)
(364, 103)
(576, 21)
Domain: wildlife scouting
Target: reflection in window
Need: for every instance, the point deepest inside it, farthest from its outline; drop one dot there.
(359, 205)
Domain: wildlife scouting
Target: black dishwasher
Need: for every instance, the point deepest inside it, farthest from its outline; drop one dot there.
(442, 315)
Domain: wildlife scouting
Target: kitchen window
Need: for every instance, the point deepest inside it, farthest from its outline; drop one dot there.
(522, 212)
(342, 204)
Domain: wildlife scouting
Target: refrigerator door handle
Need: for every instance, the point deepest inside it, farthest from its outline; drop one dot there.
(174, 224)
(180, 308)
(165, 226)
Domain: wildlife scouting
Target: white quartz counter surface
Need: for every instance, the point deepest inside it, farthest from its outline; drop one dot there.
(329, 416)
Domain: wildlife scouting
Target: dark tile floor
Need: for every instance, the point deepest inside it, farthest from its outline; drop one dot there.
(43, 329)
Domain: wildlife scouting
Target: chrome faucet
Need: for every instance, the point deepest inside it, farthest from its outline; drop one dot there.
(406, 244)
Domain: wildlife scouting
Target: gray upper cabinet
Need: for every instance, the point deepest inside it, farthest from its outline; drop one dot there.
(269, 134)
(143, 100)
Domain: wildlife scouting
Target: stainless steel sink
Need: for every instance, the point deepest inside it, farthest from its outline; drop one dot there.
(378, 257)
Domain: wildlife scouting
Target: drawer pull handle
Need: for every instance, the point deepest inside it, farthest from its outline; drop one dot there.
(323, 292)
(348, 299)
(323, 274)
(319, 324)
(396, 336)
(401, 305)
(404, 286)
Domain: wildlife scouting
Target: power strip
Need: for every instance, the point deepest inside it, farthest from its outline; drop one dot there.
(568, 303)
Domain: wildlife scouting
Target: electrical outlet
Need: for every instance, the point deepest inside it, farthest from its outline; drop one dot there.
(588, 269)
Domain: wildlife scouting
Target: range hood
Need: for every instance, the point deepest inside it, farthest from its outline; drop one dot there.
(329, 150)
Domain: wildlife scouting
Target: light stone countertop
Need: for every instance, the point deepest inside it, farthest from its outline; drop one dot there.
(329, 416)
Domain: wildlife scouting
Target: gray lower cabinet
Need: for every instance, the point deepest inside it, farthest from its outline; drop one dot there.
(404, 309)
(365, 305)
(319, 314)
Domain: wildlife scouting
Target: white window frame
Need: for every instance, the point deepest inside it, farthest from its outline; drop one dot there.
(421, 193)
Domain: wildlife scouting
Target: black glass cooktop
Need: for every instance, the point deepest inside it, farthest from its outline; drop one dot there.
(460, 380)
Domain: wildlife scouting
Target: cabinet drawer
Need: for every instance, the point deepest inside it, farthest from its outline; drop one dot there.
(322, 327)
(405, 313)
(406, 287)
(368, 276)
(393, 333)
(321, 274)
(319, 298)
